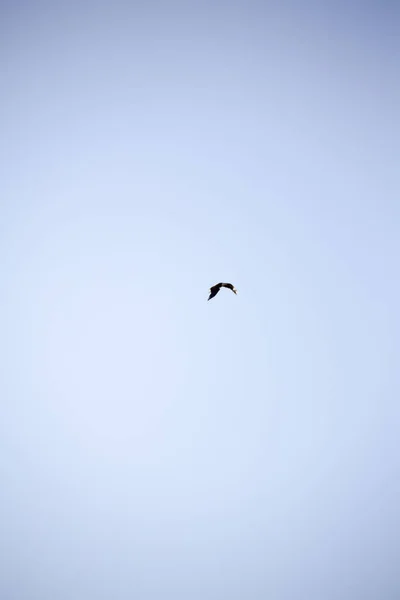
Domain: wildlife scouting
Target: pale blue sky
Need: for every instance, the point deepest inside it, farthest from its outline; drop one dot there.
(154, 445)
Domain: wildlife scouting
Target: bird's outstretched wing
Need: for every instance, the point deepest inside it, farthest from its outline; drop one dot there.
(214, 290)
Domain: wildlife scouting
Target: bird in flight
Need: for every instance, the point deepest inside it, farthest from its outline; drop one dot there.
(215, 289)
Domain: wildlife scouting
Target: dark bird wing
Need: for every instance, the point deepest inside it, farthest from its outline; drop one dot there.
(214, 290)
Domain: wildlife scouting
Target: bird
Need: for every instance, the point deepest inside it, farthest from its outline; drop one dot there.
(215, 289)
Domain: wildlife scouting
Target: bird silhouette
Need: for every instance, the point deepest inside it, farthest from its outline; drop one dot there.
(215, 289)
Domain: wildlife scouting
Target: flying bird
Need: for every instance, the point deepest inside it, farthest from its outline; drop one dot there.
(215, 289)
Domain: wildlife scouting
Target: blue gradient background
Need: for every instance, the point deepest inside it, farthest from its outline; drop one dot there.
(155, 445)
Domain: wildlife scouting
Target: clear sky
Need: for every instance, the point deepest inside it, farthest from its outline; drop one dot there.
(153, 445)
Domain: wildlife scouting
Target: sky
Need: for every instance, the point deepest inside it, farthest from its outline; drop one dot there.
(154, 445)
